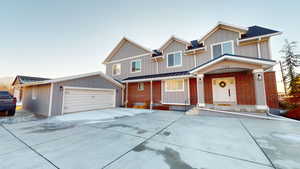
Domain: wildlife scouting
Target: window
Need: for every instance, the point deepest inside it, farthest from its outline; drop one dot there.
(116, 69)
(140, 86)
(136, 66)
(222, 48)
(33, 93)
(174, 85)
(174, 59)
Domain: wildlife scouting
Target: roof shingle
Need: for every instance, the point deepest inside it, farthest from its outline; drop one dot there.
(257, 31)
(157, 75)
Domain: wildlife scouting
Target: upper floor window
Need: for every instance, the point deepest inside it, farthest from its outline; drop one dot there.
(219, 49)
(136, 66)
(175, 85)
(116, 69)
(174, 59)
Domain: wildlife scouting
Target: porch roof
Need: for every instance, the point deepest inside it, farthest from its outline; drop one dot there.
(248, 59)
(157, 76)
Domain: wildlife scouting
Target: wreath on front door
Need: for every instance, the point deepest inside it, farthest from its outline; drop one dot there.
(222, 84)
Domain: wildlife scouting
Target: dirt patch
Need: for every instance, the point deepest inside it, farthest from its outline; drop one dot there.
(171, 156)
(138, 130)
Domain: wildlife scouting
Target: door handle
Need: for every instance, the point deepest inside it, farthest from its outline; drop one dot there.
(229, 93)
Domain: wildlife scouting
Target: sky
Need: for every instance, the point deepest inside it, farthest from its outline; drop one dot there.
(54, 38)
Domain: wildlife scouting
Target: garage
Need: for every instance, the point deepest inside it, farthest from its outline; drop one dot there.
(77, 99)
(78, 93)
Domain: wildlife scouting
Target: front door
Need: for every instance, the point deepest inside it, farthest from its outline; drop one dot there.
(224, 91)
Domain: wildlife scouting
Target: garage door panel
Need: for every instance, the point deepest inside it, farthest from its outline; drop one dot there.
(87, 104)
(86, 99)
(99, 98)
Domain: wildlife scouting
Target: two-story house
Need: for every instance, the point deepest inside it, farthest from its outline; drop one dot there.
(230, 67)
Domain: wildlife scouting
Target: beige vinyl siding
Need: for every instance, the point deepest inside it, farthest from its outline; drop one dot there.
(264, 50)
(249, 50)
(41, 104)
(180, 97)
(202, 58)
(148, 67)
(128, 50)
(187, 61)
(151, 67)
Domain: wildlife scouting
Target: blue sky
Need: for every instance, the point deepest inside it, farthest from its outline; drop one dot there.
(65, 37)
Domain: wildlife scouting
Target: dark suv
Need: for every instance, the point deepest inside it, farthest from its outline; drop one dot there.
(7, 103)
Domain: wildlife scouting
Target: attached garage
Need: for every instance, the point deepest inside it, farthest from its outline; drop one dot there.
(73, 94)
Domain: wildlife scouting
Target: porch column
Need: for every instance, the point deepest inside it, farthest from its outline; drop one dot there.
(260, 94)
(151, 95)
(126, 102)
(200, 90)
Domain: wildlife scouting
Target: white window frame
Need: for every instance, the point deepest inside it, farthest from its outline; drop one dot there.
(139, 60)
(221, 43)
(179, 90)
(167, 55)
(34, 93)
(112, 68)
(139, 87)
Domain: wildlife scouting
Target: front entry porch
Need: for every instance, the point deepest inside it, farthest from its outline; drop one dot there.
(229, 91)
(225, 83)
(232, 83)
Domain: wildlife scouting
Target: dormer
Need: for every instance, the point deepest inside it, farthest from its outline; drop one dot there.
(159, 54)
(194, 48)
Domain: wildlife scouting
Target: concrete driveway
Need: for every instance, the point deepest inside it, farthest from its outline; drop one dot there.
(140, 139)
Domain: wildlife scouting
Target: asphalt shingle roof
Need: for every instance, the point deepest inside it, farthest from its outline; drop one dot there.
(29, 79)
(248, 57)
(257, 31)
(158, 75)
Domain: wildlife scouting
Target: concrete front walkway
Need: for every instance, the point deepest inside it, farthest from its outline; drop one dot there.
(140, 139)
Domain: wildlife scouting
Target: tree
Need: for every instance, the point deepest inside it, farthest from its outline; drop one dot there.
(290, 62)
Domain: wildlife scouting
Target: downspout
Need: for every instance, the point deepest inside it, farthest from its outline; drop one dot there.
(258, 48)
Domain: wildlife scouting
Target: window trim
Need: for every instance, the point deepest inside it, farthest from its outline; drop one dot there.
(112, 68)
(221, 43)
(140, 60)
(138, 88)
(167, 55)
(180, 90)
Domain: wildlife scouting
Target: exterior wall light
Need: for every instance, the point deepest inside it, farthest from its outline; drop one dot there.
(259, 76)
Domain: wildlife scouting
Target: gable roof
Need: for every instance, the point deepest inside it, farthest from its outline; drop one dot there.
(248, 59)
(246, 33)
(170, 40)
(170, 75)
(74, 77)
(219, 25)
(120, 44)
(28, 79)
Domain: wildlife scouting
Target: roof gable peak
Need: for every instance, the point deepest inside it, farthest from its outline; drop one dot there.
(226, 26)
(120, 44)
(171, 39)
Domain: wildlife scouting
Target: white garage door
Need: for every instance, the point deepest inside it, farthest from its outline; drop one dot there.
(83, 99)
